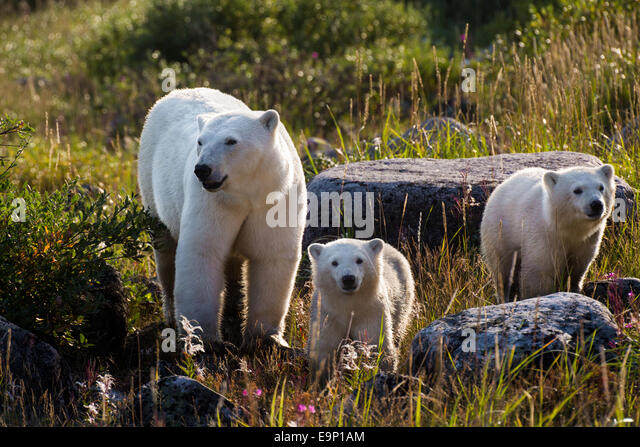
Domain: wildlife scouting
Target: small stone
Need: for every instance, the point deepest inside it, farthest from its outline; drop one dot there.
(181, 401)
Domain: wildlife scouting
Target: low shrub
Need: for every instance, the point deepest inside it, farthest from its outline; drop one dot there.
(55, 245)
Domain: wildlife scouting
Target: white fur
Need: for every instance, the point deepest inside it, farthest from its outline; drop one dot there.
(384, 294)
(210, 228)
(539, 216)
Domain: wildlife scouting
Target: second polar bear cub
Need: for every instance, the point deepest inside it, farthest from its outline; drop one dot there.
(359, 286)
(545, 227)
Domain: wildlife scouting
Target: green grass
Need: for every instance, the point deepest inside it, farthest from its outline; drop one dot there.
(562, 95)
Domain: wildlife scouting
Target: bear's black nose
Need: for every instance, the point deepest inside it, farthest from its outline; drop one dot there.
(596, 207)
(202, 172)
(349, 282)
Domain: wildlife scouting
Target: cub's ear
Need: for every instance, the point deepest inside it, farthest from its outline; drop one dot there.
(315, 250)
(550, 179)
(202, 120)
(270, 120)
(607, 171)
(375, 245)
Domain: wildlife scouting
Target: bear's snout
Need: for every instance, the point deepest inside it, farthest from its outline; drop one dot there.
(202, 172)
(349, 282)
(596, 208)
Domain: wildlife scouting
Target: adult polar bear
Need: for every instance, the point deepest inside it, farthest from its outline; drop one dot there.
(206, 166)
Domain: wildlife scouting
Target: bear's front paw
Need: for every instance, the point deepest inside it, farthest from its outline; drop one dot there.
(388, 363)
(253, 344)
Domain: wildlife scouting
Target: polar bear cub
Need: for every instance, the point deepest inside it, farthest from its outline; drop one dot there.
(359, 286)
(545, 227)
(207, 165)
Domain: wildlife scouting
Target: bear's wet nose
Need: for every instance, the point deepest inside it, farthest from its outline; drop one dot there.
(597, 206)
(202, 172)
(349, 282)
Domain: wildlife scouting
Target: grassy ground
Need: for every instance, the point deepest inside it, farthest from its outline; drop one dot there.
(571, 89)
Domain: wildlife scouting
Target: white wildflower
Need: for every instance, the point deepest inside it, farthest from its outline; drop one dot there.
(192, 342)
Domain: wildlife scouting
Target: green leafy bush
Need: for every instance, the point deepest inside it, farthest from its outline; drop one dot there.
(176, 29)
(297, 55)
(485, 19)
(51, 254)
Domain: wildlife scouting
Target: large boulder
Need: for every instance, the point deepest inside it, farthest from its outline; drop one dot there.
(476, 337)
(421, 200)
(34, 365)
(181, 401)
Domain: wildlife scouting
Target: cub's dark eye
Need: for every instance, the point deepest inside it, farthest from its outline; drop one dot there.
(230, 141)
(199, 142)
(577, 191)
(359, 261)
(334, 263)
(601, 188)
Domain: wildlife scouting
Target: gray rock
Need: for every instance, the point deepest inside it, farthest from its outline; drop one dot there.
(626, 137)
(106, 327)
(618, 294)
(412, 195)
(321, 148)
(559, 321)
(141, 347)
(428, 133)
(181, 401)
(34, 365)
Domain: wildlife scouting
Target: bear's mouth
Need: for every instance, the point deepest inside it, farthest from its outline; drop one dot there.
(595, 215)
(213, 186)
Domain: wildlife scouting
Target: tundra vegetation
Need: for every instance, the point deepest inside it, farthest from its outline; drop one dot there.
(76, 80)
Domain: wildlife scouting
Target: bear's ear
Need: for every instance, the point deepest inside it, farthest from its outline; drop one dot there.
(550, 179)
(375, 245)
(607, 171)
(315, 250)
(270, 120)
(202, 120)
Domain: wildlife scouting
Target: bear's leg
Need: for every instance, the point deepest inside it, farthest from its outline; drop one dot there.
(581, 258)
(371, 333)
(389, 360)
(535, 281)
(507, 277)
(233, 312)
(203, 249)
(165, 255)
(270, 285)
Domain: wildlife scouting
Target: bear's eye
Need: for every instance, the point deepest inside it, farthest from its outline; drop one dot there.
(334, 263)
(359, 261)
(577, 191)
(199, 142)
(230, 141)
(601, 188)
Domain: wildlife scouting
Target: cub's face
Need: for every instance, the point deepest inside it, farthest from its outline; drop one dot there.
(345, 265)
(582, 193)
(231, 147)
